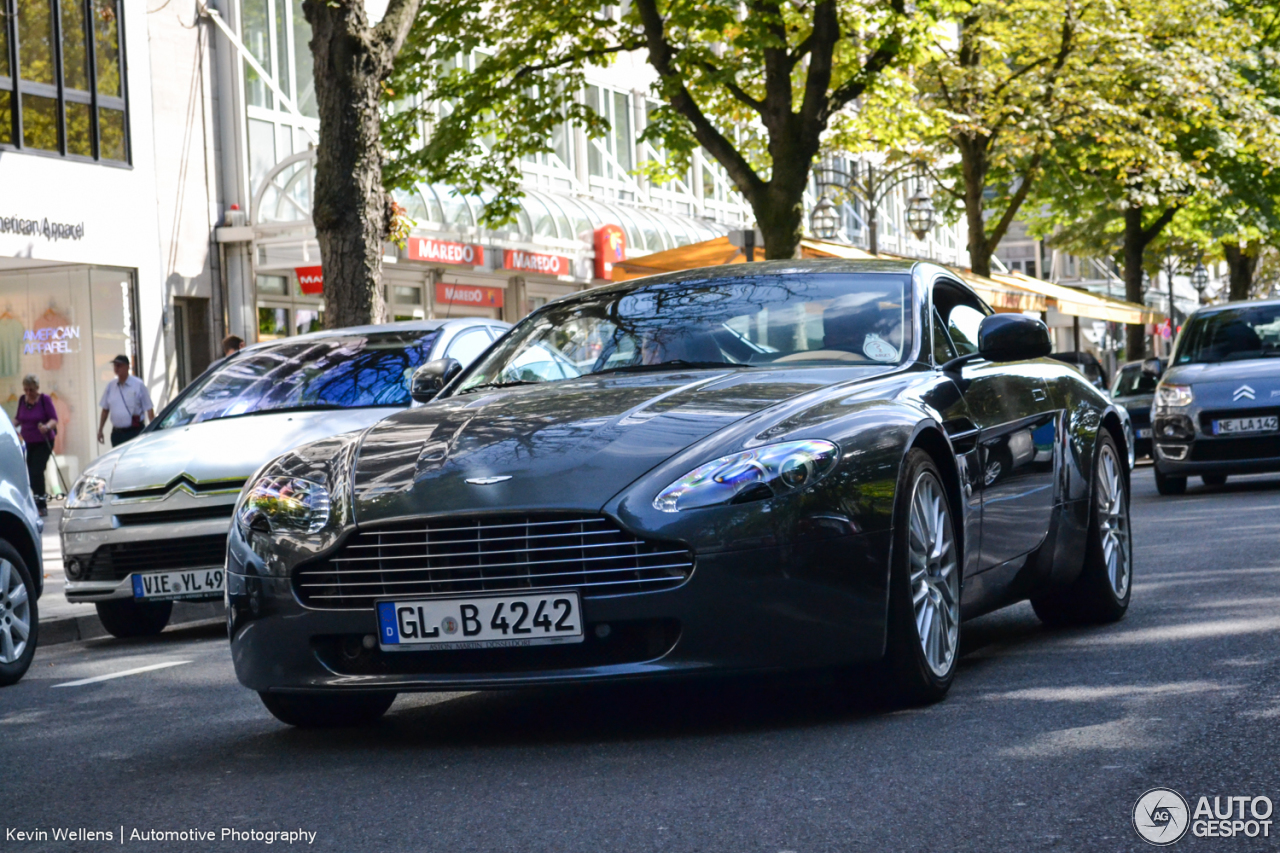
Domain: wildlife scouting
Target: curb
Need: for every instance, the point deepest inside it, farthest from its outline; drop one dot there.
(72, 629)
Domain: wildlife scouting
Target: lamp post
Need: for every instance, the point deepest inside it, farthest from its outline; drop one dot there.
(920, 211)
(869, 185)
(824, 220)
(1200, 280)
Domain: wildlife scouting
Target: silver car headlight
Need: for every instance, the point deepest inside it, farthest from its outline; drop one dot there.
(87, 493)
(769, 471)
(1173, 396)
(285, 505)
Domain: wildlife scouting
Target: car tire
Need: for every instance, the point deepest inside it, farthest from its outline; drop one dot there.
(19, 612)
(923, 631)
(1214, 479)
(1169, 485)
(125, 617)
(312, 711)
(1102, 591)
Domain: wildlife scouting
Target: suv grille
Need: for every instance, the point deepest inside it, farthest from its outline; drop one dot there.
(490, 554)
(173, 516)
(118, 561)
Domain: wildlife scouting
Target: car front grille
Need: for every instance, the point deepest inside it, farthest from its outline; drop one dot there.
(172, 516)
(121, 559)
(489, 554)
(1235, 449)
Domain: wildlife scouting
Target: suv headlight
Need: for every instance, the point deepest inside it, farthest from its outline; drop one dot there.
(1172, 396)
(285, 505)
(766, 472)
(87, 493)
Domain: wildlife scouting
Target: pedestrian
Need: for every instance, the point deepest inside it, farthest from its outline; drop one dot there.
(124, 402)
(37, 423)
(232, 344)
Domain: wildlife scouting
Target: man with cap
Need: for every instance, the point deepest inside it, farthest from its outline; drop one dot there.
(124, 401)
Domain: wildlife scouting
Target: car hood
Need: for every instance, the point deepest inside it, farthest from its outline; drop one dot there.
(1224, 383)
(567, 445)
(223, 449)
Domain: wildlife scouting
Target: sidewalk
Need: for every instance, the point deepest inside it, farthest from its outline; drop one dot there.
(64, 622)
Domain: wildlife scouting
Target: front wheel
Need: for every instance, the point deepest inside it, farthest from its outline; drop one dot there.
(923, 639)
(19, 619)
(1101, 592)
(1169, 485)
(125, 617)
(311, 711)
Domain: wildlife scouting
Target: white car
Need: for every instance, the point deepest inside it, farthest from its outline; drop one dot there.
(146, 524)
(21, 572)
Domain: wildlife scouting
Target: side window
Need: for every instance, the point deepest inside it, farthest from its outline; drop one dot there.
(466, 346)
(942, 348)
(961, 313)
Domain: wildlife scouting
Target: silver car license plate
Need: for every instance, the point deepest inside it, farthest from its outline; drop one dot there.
(1144, 432)
(175, 586)
(1236, 426)
(480, 621)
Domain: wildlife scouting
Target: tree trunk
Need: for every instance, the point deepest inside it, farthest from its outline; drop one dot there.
(1134, 248)
(1242, 262)
(351, 208)
(973, 165)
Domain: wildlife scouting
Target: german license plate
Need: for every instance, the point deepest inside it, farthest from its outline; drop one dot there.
(479, 622)
(173, 586)
(1235, 426)
(1145, 432)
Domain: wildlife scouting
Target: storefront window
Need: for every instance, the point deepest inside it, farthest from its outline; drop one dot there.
(406, 303)
(49, 91)
(272, 284)
(273, 323)
(307, 320)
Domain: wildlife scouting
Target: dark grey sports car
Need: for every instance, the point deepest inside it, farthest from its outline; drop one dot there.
(750, 468)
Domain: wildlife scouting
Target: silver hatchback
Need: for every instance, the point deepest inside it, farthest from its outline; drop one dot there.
(146, 524)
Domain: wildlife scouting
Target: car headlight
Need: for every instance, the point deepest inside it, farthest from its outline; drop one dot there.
(770, 471)
(87, 493)
(1170, 396)
(285, 504)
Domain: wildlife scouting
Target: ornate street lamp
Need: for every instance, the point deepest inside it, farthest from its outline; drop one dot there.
(920, 212)
(824, 220)
(1200, 280)
(868, 184)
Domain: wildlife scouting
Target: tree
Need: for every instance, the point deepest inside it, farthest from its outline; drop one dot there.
(755, 84)
(352, 212)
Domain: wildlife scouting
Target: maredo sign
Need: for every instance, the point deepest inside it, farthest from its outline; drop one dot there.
(611, 248)
(310, 279)
(467, 294)
(445, 252)
(516, 259)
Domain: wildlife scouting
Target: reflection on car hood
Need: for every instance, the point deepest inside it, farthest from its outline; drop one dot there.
(226, 448)
(568, 445)
(1217, 384)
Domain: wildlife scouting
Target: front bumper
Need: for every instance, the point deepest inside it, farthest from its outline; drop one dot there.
(774, 608)
(102, 548)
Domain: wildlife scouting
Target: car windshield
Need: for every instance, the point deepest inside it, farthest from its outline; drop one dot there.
(1132, 382)
(772, 319)
(338, 372)
(1249, 331)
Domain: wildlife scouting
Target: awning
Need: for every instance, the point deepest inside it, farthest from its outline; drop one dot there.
(708, 253)
(1080, 303)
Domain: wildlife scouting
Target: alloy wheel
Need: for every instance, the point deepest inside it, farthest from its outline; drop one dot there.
(935, 578)
(1113, 521)
(15, 613)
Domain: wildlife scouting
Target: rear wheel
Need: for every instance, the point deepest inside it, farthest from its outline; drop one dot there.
(125, 617)
(1214, 479)
(310, 711)
(923, 639)
(19, 618)
(1101, 592)
(1170, 485)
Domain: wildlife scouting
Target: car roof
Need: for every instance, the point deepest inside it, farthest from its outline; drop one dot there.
(383, 328)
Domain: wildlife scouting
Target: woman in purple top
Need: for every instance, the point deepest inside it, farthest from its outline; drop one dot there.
(37, 422)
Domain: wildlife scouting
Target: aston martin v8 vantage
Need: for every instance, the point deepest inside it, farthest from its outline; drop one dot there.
(762, 467)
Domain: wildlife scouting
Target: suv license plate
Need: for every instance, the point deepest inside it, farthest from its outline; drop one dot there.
(172, 586)
(1235, 426)
(479, 622)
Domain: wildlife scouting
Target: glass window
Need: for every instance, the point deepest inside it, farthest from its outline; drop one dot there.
(468, 345)
(1233, 334)
(262, 151)
(623, 138)
(272, 284)
(943, 351)
(406, 295)
(307, 320)
(751, 320)
(1131, 382)
(257, 37)
(333, 372)
(273, 323)
(962, 313)
(304, 72)
(62, 47)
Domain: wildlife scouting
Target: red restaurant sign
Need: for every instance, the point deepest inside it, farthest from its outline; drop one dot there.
(467, 294)
(445, 252)
(310, 279)
(611, 248)
(516, 259)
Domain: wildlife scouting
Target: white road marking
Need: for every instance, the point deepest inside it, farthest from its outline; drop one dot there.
(112, 675)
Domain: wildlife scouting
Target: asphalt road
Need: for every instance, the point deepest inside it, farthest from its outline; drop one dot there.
(1046, 740)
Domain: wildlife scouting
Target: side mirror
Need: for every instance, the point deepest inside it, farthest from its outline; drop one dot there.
(1013, 337)
(429, 379)
(1153, 367)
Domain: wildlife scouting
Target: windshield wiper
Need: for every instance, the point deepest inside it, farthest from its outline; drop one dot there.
(510, 383)
(665, 365)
